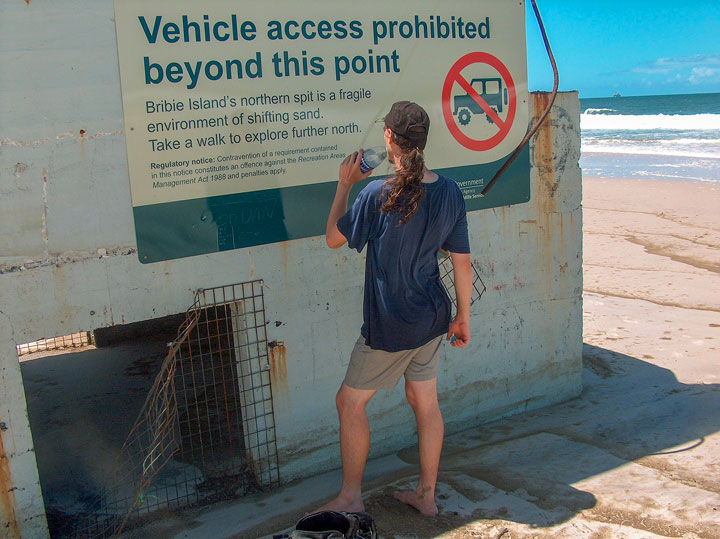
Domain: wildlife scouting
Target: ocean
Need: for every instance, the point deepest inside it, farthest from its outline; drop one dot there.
(671, 137)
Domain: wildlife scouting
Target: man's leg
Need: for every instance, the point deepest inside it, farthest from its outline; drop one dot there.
(422, 396)
(354, 447)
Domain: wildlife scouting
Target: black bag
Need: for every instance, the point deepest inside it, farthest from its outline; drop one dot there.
(333, 525)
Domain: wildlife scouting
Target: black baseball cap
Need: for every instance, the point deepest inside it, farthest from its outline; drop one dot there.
(409, 120)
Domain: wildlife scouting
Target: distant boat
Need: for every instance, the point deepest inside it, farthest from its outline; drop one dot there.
(616, 95)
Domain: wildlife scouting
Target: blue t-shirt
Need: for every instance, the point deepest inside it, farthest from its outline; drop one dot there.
(405, 304)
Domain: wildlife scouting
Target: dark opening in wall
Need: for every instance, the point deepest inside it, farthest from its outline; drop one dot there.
(155, 423)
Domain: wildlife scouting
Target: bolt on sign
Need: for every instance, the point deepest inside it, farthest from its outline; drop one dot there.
(237, 114)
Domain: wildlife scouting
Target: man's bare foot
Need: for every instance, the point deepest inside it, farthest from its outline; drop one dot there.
(425, 502)
(343, 504)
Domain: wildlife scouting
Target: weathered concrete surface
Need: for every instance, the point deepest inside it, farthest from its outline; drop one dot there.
(68, 261)
(22, 512)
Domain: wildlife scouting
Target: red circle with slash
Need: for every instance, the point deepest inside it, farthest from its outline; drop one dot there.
(455, 76)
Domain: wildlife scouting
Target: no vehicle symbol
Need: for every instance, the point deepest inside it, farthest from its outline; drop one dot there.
(486, 97)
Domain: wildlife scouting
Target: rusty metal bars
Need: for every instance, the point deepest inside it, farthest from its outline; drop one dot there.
(207, 431)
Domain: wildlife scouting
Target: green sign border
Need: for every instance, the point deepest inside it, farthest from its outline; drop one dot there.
(173, 230)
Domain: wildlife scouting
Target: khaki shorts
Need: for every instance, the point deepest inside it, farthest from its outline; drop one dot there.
(378, 369)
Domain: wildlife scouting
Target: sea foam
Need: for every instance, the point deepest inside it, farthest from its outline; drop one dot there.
(623, 122)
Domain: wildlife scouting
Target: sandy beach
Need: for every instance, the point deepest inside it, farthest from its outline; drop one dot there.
(651, 265)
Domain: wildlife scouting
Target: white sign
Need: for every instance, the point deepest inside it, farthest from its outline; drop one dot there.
(228, 97)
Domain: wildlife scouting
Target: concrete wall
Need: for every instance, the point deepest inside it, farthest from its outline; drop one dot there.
(68, 263)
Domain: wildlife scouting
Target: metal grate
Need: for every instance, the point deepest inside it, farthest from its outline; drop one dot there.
(446, 276)
(206, 432)
(74, 340)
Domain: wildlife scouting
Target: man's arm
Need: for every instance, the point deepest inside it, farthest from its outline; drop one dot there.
(333, 237)
(462, 275)
(349, 175)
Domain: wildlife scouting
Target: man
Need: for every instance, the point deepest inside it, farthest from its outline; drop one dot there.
(404, 221)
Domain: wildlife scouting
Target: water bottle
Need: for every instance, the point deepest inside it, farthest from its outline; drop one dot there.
(372, 158)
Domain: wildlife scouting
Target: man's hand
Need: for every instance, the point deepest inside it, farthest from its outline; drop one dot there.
(460, 330)
(350, 169)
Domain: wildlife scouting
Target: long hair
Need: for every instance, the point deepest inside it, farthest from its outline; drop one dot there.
(403, 192)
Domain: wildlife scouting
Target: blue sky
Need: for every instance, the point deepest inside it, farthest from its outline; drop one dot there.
(632, 47)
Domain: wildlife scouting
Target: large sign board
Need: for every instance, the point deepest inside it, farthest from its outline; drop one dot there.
(237, 114)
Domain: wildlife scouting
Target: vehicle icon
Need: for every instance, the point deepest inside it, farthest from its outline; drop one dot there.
(490, 89)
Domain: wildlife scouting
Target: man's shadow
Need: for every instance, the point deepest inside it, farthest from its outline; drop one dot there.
(539, 468)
